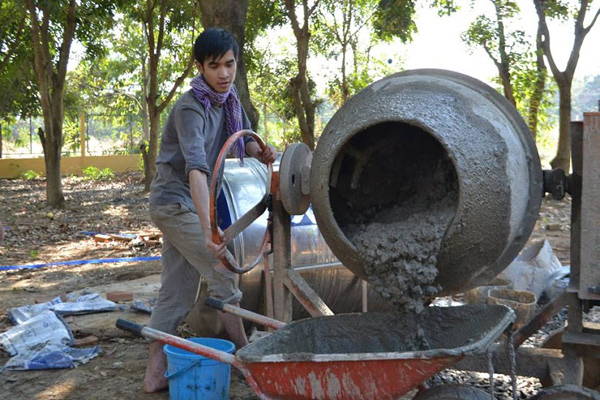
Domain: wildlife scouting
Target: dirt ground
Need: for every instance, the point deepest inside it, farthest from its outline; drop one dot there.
(36, 234)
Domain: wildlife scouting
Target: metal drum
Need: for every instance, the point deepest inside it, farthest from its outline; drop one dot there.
(243, 186)
(384, 146)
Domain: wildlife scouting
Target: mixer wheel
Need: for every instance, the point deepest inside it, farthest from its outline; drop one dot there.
(453, 392)
(566, 392)
(294, 172)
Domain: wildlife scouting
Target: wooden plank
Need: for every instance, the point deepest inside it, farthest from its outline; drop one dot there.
(589, 280)
(102, 238)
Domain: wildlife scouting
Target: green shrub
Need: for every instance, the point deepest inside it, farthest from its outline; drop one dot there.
(94, 173)
(29, 175)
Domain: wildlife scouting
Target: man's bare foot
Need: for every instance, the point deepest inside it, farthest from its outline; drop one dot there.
(154, 380)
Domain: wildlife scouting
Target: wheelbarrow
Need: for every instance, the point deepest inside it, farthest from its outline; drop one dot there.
(374, 355)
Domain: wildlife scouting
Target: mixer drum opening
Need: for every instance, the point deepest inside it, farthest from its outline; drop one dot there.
(394, 192)
(389, 172)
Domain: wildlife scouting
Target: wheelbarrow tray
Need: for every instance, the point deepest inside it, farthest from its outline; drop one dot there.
(375, 355)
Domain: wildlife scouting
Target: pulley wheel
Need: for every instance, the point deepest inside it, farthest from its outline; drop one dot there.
(453, 392)
(294, 172)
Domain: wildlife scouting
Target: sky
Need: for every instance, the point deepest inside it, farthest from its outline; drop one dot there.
(438, 44)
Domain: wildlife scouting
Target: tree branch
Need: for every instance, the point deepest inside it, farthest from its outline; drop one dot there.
(176, 85)
(543, 26)
(65, 47)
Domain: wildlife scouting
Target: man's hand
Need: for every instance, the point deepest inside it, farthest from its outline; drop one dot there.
(219, 249)
(266, 156)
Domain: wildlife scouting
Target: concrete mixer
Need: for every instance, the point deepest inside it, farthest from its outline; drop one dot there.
(426, 183)
(417, 142)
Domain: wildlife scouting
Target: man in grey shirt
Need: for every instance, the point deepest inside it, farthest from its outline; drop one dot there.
(197, 127)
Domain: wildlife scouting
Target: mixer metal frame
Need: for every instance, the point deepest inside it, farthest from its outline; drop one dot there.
(285, 281)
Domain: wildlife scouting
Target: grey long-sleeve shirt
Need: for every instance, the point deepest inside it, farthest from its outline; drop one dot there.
(191, 139)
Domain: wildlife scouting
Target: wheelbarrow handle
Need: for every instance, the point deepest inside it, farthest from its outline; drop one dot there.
(176, 341)
(196, 348)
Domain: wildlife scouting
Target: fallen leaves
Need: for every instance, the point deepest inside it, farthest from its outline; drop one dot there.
(114, 212)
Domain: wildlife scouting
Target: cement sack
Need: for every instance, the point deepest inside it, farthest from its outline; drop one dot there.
(75, 304)
(534, 270)
(43, 342)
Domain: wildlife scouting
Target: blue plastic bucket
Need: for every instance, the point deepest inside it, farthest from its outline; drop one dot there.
(194, 377)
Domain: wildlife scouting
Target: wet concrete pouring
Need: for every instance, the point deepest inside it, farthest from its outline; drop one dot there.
(397, 213)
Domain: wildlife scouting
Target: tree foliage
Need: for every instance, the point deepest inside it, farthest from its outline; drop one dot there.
(346, 33)
(301, 16)
(506, 47)
(16, 72)
(521, 69)
(343, 24)
(138, 66)
(394, 18)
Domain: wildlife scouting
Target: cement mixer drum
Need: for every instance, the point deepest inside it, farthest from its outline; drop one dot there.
(432, 153)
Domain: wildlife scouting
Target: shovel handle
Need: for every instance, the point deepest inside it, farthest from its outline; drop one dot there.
(214, 303)
(243, 313)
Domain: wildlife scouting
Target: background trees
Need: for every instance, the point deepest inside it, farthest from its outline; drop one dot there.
(302, 59)
(575, 11)
(169, 29)
(54, 25)
(519, 60)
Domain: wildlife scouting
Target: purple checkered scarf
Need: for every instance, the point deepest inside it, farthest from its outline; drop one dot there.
(233, 109)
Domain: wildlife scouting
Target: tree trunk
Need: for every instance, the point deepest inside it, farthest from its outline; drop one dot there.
(155, 107)
(506, 83)
(145, 118)
(150, 157)
(231, 15)
(564, 79)
(52, 159)
(535, 103)
(51, 87)
(345, 90)
(563, 153)
(303, 104)
(504, 65)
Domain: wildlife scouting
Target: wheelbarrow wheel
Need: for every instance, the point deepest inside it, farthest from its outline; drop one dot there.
(453, 392)
(566, 392)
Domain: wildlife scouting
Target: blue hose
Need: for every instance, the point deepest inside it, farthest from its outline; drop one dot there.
(79, 262)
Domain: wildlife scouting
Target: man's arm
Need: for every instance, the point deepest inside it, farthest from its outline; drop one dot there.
(200, 197)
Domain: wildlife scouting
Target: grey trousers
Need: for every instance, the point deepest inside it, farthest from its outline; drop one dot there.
(185, 259)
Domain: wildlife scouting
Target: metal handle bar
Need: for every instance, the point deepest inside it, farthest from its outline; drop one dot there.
(243, 222)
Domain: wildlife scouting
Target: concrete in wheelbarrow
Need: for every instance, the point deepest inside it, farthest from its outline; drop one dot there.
(369, 356)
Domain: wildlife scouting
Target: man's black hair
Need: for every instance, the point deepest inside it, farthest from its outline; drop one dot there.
(214, 43)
